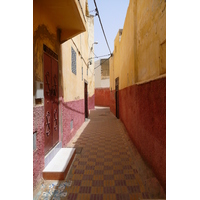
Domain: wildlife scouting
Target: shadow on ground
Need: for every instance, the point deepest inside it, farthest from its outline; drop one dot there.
(106, 166)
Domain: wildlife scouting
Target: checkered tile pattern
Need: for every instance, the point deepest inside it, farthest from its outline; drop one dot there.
(105, 169)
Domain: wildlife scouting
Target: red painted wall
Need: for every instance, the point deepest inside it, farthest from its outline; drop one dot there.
(38, 154)
(112, 102)
(72, 110)
(102, 97)
(142, 109)
(91, 102)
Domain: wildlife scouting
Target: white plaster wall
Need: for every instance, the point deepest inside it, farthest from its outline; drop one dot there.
(105, 83)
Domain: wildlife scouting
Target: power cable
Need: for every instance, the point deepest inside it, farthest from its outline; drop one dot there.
(94, 54)
(92, 10)
(79, 52)
(100, 56)
(101, 25)
(103, 62)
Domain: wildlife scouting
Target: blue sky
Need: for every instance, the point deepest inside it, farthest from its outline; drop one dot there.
(112, 14)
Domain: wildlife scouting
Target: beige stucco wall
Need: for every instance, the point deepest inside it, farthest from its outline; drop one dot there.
(151, 31)
(140, 53)
(91, 72)
(116, 61)
(97, 74)
(73, 85)
(111, 68)
(102, 73)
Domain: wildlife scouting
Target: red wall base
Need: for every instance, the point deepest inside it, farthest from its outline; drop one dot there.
(38, 154)
(142, 109)
(112, 102)
(73, 110)
(102, 97)
(91, 102)
(70, 110)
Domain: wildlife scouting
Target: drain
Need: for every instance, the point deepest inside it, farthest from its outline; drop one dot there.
(103, 115)
(79, 150)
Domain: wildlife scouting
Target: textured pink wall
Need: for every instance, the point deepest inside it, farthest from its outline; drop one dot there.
(72, 110)
(91, 102)
(102, 97)
(38, 154)
(142, 109)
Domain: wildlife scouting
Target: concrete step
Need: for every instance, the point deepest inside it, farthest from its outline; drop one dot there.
(58, 167)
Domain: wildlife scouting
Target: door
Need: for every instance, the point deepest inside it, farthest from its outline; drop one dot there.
(86, 100)
(50, 102)
(117, 96)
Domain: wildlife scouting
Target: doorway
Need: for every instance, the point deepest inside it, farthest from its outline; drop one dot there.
(50, 102)
(117, 96)
(86, 99)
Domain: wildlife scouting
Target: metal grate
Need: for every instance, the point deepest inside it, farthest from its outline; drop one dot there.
(71, 124)
(73, 60)
(79, 150)
(34, 141)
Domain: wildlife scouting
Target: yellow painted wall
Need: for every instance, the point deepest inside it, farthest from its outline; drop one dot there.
(140, 55)
(111, 68)
(91, 74)
(116, 61)
(151, 31)
(45, 31)
(73, 85)
(127, 49)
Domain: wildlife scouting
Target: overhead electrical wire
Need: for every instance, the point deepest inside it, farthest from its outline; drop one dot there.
(100, 56)
(94, 54)
(92, 10)
(97, 13)
(81, 56)
(102, 26)
(102, 62)
(79, 51)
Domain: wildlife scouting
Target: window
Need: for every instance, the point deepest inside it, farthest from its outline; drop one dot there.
(34, 141)
(73, 60)
(71, 124)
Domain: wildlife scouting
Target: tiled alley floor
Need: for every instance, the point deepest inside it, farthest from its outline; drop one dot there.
(106, 166)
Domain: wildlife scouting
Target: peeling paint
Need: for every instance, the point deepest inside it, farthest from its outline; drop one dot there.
(42, 36)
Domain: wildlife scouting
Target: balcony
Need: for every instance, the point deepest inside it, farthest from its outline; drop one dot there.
(67, 15)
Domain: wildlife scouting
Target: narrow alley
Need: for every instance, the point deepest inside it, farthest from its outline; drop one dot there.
(106, 165)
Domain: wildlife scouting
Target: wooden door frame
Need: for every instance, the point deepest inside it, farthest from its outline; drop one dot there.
(117, 96)
(53, 56)
(86, 100)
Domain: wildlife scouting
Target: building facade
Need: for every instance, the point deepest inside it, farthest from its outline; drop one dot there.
(102, 82)
(138, 81)
(62, 94)
(78, 72)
